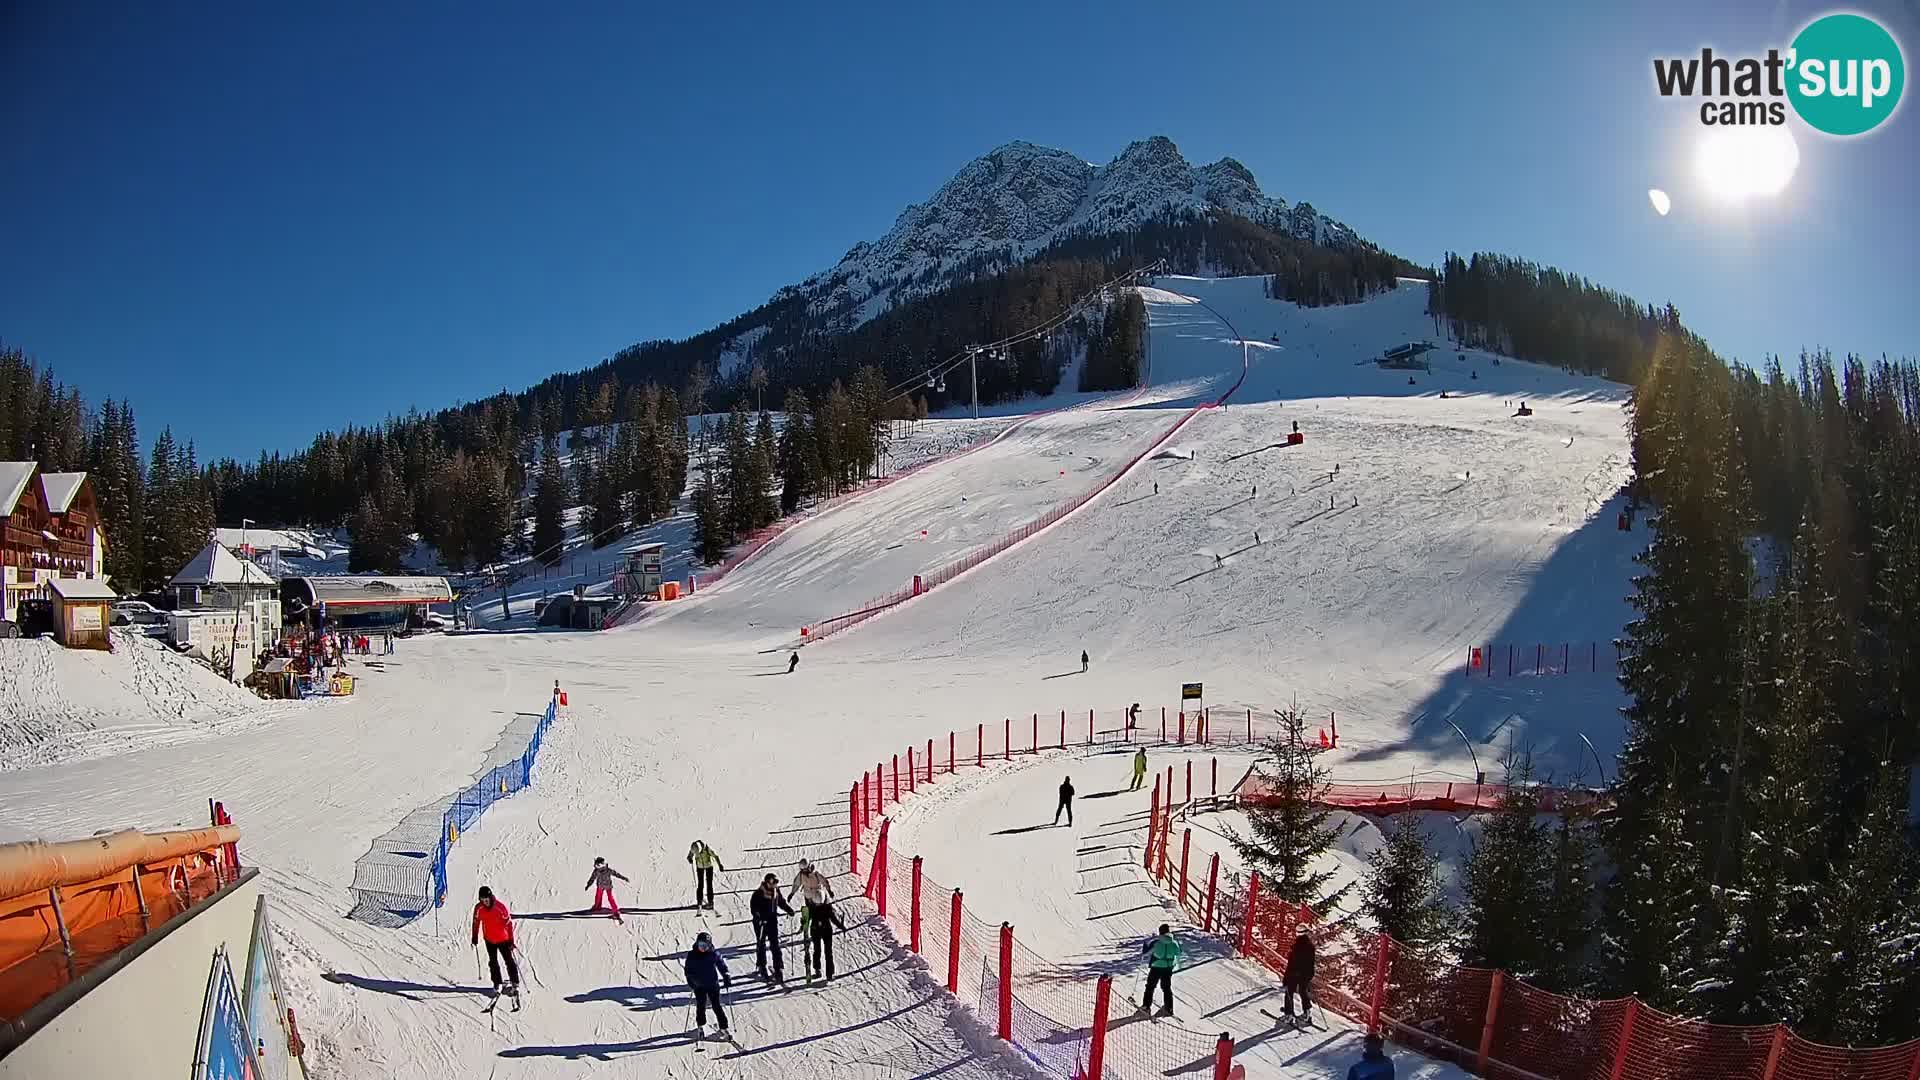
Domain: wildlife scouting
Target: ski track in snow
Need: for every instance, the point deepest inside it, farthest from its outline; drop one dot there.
(683, 725)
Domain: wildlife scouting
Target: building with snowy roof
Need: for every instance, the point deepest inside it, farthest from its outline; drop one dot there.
(377, 604)
(52, 530)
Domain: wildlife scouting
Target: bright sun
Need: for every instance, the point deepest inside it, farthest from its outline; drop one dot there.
(1737, 163)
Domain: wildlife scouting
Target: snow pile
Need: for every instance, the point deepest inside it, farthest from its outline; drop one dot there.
(68, 704)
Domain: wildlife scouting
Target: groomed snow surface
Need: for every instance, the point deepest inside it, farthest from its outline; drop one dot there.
(1472, 526)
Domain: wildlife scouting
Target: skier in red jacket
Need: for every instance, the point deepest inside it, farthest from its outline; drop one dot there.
(492, 920)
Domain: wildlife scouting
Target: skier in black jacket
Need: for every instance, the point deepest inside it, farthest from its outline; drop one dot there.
(1066, 802)
(1299, 976)
(706, 973)
(766, 905)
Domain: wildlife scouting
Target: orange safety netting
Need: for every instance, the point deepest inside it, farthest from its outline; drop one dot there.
(99, 885)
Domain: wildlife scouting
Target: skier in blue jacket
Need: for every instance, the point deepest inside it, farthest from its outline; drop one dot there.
(1374, 1064)
(706, 973)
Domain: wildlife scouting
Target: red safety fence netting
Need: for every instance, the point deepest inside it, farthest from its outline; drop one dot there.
(1482, 1020)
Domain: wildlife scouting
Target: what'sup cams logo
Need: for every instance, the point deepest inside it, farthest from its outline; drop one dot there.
(1842, 75)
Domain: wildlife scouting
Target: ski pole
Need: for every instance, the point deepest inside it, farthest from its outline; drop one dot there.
(479, 968)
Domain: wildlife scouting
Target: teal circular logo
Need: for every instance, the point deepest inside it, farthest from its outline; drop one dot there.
(1847, 74)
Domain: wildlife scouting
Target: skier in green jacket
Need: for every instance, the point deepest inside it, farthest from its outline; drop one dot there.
(1162, 953)
(1139, 768)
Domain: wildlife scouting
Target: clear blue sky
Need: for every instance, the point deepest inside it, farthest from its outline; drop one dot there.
(256, 223)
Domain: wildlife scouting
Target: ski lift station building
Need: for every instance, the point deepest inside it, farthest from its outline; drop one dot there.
(362, 603)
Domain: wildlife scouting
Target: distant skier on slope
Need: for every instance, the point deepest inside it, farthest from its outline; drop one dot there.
(765, 906)
(1083, 661)
(1139, 768)
(1133, 715)
(703, 860)
(600, 880)
(706, 973)
(1066, 802)
(492, 920)
(793, 661)
(1162, 953)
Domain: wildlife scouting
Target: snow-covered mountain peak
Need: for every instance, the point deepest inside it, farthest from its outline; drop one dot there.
(1012, 202)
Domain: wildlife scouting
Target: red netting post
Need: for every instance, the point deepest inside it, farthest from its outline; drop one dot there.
(853, 827)
(1379, 984)
(1181, 731)
(1773, 1051)
(979, 747)
(1097, 1038)
(930, 762)
(879, 788)
(914, 931)
(1626, 1039)
(1188, 801)
(1216, 778)
(1223, 1057)
(1063, 729)
(1089, 727)
(1186, 848)
(1153, 821)
(1213, 882)
(1006, 739)
(1163, 723)
(950, 742)
(1486, 1027)
(896, 778)
(1006, 982)
(1036, 733)
(1253, 907)
(1169, 800)
(913, 772)
(953, 946)
(879, 879)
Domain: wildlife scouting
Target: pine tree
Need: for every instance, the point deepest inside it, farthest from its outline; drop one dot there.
(1567, 925)
(736, 476)
(766, 508)
(607, 499)
(1507, 884)
(798, 453)
(1864, 973)
(709, 523)
(490, 520)
(1401, 891)
(160, 546)
(550, 500)
(1289, 827)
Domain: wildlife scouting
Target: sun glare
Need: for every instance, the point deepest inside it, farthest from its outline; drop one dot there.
(1738, 163)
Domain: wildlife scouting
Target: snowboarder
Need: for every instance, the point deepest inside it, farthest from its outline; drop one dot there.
(793, 661)
(1374, 1064)
(1139, 768)
(1083, 661)
(1161, 954)
(817, 919)
(703, 860)
(600, 880)
(706, 973)
(1299, 976)
(1066, 802)
(492, 920)
(765, 906)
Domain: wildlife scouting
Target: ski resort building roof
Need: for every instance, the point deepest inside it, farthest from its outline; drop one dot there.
(13, 481)
(348, 591)
(215, 565)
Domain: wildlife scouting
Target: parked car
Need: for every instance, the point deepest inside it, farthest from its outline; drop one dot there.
(137, 613)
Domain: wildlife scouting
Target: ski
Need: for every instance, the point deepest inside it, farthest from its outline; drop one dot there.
(1288, 1018)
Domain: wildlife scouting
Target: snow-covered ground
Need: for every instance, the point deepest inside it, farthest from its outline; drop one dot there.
(64, 704)
(1472, 525)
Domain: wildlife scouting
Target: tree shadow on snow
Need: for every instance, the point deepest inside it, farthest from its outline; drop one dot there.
(1544, 713)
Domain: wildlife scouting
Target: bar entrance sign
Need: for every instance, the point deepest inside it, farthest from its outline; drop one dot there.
(1188, 692)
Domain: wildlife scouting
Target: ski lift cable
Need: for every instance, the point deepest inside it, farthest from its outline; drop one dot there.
(938, 372)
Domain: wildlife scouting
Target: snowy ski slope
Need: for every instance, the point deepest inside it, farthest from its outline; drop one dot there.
(684, 725)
